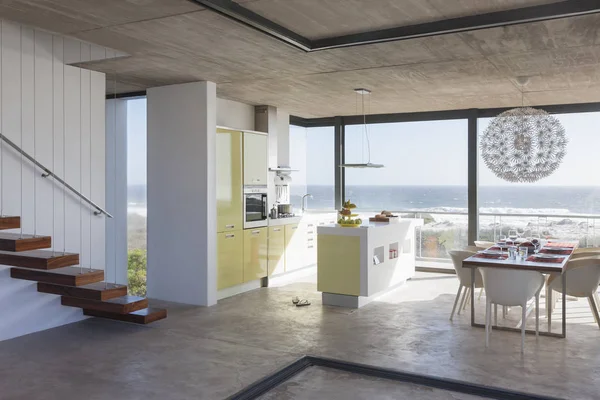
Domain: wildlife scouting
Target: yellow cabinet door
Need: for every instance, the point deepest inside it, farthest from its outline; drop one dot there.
(255, 253)
(229, 181)
(256, 158)
(276, 250)
(230, 259)
(295, 242)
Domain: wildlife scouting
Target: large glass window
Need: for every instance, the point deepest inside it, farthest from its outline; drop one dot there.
(312, 152)
(425, 173)
(136, 195)
(564, 205)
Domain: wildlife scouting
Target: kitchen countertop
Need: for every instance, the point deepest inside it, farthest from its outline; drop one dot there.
(284, 221)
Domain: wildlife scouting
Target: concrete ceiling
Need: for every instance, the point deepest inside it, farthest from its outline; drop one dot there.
(176, 41)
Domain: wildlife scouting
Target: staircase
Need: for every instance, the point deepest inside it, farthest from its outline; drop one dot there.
(56, 273)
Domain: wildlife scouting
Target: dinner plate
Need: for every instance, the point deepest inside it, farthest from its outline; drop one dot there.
(491, 252)
(541, 255)
(557, 248)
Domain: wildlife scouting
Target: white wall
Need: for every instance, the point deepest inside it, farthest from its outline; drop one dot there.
(233, 114)
(182, 193)
(32, 79)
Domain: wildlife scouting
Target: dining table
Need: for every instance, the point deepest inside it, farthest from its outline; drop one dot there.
(552, 259)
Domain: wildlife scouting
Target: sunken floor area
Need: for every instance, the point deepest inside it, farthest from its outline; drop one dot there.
(212, 353)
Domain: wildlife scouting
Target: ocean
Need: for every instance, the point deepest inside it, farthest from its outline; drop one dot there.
(492, 199)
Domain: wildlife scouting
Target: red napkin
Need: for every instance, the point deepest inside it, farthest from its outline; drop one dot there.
(553, 251)
(495, 248)
(559, 244)
(550, 260)
(493, 256)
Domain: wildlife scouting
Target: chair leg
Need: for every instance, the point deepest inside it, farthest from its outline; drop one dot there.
(496, 314)
(537, 314)
(467, 298)
(594, 308)
(504, 312)
(460, 288)
(488, 306)
(463, 300)
(523, 323)
(480, 293)
(549, 308)
(463, 303)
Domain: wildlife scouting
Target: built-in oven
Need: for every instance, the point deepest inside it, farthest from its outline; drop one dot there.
(255, 207)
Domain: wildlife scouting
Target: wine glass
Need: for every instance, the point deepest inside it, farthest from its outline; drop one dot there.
(536, 241)
(513, 235)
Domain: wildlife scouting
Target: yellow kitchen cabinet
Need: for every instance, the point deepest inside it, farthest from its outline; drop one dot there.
(276, 250)
(255, 158)
(295, 243)
(230, 259)
(229, 180)
(255, 253)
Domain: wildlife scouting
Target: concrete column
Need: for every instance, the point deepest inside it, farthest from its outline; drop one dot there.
(182, 193)
(116, 191)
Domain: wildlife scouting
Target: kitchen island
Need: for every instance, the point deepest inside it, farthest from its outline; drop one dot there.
(356, 265)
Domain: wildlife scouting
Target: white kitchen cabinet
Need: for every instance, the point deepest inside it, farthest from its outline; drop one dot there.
(255, 158)
(295, 242)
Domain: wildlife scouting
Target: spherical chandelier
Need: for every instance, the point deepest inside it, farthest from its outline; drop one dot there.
(523, 145)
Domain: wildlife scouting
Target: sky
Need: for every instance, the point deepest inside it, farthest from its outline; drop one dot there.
(136, 142)
(414, 153)
(433, 153)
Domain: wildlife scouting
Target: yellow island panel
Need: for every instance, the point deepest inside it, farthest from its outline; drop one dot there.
(338, 264)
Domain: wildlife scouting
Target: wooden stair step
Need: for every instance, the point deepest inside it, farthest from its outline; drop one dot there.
(7, 222)
(68, 276)
(18, 242)
(93, 291)
(118, 305)
(38, 259)
(144, 316)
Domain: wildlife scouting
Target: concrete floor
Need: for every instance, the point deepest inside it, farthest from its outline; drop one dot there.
(211, 353)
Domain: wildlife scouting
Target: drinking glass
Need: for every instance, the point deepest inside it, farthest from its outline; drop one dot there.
(512, 252)
(523, 253)
(513, 235)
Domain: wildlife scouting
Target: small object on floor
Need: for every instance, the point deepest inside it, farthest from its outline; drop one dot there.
(303, 303)
(295, 300)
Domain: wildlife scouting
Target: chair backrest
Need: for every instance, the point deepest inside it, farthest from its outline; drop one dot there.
(482, 244)
(509, 287)
(585, 252)
(583, 276)
(464, 274)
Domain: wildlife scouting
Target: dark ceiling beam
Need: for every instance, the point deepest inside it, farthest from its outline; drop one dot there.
(562, 9)
(249, 18)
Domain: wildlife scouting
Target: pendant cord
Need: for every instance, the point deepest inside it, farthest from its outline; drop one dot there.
(115, 181)
(64, 123)
(2, 120)
(80, 163)
(90, 170)
(367, 128)
(34, 140)
(21, 111)
(53, 157)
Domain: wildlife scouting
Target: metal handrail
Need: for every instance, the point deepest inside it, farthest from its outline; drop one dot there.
(47, 173)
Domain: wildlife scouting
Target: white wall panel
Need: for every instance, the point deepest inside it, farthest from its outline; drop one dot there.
(32, 78)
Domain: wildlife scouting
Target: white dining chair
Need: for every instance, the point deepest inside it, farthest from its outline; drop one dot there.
(583, 277)
(482, 244)
(464, 278)
(585, 252)
(509, 287)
